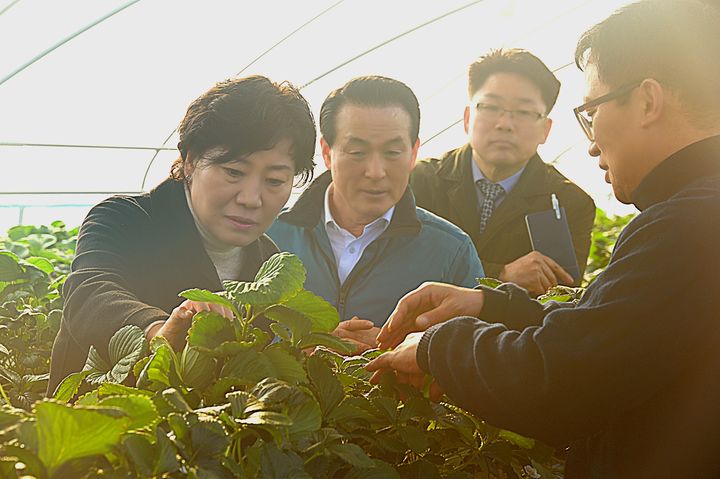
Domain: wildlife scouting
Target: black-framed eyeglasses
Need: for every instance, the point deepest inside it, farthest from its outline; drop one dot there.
(521, 117)
(581, 112)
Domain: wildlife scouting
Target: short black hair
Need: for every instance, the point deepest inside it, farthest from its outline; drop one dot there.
(246, 115)
(519, 62)
(372, 91)
(676, 42)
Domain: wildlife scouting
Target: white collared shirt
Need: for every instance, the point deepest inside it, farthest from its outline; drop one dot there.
(346, 247)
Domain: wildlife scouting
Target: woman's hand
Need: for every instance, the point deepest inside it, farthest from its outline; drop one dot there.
(175, 328)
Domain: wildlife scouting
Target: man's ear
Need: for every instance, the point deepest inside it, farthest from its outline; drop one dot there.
(466, 119)
(653, 98)
(548, 127)
(326, 154)
(414, 152)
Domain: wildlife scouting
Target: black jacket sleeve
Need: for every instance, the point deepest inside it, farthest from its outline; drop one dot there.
(101, 293)
(632, 334)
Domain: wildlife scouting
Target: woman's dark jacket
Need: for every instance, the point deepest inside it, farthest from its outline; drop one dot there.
(630, 376)
(134, 255)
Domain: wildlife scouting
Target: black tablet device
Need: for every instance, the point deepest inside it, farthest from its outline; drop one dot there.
(550, 235)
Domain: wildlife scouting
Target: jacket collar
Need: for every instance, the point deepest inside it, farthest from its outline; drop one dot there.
(696, 160)
(307, 211)
(457, 168)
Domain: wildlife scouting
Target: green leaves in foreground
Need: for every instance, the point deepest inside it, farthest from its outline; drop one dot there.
(65, 433)
(126, 347)
(234, 403)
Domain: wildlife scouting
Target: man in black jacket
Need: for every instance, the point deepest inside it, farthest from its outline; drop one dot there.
(628, 377)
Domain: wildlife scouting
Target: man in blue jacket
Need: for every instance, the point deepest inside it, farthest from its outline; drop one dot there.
(356, 228)
(628, 377)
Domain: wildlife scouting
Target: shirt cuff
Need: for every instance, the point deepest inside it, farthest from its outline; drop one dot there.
(422, 355)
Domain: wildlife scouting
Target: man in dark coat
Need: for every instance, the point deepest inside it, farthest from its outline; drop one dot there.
(628, 377)
(488, 186)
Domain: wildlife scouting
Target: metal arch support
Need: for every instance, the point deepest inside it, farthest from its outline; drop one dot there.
(390, 40)
(278, 43)
(65, 40)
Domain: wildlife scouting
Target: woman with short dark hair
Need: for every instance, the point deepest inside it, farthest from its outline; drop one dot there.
(242, 143)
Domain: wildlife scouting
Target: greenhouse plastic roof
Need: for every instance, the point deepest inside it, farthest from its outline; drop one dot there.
(119, 74)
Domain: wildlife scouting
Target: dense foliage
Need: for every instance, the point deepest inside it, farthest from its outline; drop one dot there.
(235, 402)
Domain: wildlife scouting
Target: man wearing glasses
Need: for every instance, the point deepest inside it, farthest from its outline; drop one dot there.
(628, 376)
(488, 186)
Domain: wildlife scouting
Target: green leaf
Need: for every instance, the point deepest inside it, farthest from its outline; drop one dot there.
(209, 330)
(295, 322)
(305, 414)
(355, 408)
(352, 454)
(247, 366)
(415, 438)
(112, 389)
(238, 400)
(20, 231)
(205, 296)
(158, 372)
(208, 437)
(327, 340)
(380, 470)
(197, 370)
(69, 386)
(66, 433)
(251, 366)
(176, 400)
(38, 242)
(126, 347)
(215, 394)
(489, 282)
(326, 385)
(267, 418)
(278, 279)
(322, 315)
(10, 415)
(416, 407)
(10, 270)
(88, 399)
(284, 365)
(139, 408)
(517, 439)
(152, 460)
(42, 264)
(33, 466)
(275, 464)
(281, 331)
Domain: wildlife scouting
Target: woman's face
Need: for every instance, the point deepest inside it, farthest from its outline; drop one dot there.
(237, 201)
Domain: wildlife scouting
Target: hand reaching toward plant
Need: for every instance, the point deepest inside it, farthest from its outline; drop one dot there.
(361, 332)
(175, 328)
(430, 304)
(403, 362)
(535, 272)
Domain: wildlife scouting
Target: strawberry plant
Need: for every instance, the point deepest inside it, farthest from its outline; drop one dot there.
(238, 401)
